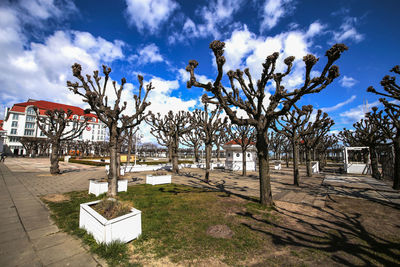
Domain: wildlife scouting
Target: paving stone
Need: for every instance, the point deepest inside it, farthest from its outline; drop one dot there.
(82, 259)
(12, 235)
(41, 232)
(60, 252)
(50, 240)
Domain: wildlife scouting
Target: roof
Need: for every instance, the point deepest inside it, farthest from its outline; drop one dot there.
(238, 142)
(47, 105)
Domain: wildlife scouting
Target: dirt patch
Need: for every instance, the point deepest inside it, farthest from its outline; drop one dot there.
(220, 231)
(56, 198)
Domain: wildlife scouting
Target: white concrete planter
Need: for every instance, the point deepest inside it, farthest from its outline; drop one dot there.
(98, 188)
(124, 228)
(278, 165)
(158, 179)
(315, 166)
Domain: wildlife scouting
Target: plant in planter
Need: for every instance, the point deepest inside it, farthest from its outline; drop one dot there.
(100, 186)
(158, 178)
(93, 92)
(109, 220)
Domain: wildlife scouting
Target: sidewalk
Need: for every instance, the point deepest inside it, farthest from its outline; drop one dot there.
(27, 235)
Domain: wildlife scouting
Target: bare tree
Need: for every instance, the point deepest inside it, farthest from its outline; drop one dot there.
(171, 128)
(390, 123)
(367, 133)
(260, 114)
(210, 124)
(220, 139)
(94, 93)
(30, 144)
(326, 142)
(276, 141)
(244, 136)
(291, 125)
(85, 147)
(59, 126)
(193, 139)
(312, 134)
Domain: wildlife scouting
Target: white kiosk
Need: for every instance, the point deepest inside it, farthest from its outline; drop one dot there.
(358, 164)
(234, 158)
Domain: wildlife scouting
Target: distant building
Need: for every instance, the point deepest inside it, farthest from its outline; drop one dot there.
(20, 121)
(234, 158)
(2, 136)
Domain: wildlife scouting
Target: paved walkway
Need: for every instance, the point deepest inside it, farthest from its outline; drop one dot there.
(27, 235)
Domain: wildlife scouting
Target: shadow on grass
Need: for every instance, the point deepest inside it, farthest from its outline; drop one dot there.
(343, 236)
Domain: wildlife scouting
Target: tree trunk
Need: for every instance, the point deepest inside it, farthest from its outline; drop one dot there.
(128, 159)
(54, 168)
(263, 166)
(208, 161)
(396, 177)
(244, 168)
(169, 152)
(374, 163)
(287, 159)
(296, 174)
(175, 146)
(196, 154)
(113, 172)
(308, 162)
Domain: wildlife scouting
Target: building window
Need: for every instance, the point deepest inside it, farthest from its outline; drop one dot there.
(13, 131)
(15, 117)
(14, 139)
(41, 134)
(30, 118)
(248, 155)
(28, 132)
(229, 154)
(14, 124)
(237, 155)
(30, 111)
(30, 125)
(94, 119)
(75, 117)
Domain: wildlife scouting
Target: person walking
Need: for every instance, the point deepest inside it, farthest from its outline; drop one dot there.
(3, 157)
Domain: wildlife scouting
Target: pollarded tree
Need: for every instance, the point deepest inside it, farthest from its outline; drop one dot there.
(275, 140)
(85, 147)
(244, 136)
(210, 124)
(261, 114)
(326, 142)
(129, 138)
(30, 144)
(291, 125)
(59, 126)
(367, 133)
(220, 139)
(173, 126)
(193, 139)
(313, 133)
(163, 139)
(94, 93)
(390, 123)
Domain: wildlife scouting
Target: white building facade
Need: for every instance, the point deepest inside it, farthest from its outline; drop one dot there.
(20, 121)
(234, 157)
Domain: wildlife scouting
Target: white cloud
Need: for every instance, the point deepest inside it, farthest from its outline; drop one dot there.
(347, 81)
(348, 31)
(40, 70)
(273, 11)
(149, 15)
(148, 54)
(339, 105)
(245, 49)
(184, 77)
(357, 113)
(45, 9)
(215, 16)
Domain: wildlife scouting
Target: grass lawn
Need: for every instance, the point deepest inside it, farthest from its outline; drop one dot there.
(178, 223)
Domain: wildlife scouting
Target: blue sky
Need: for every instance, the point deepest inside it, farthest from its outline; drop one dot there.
(41, 39)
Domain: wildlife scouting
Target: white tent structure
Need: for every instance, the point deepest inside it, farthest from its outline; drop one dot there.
(359, 165)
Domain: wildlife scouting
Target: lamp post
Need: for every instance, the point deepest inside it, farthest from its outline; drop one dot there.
(136, 141)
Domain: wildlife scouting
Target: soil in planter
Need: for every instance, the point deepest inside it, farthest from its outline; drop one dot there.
(111, 209)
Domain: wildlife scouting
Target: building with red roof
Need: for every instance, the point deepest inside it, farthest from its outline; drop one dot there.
(20, 121)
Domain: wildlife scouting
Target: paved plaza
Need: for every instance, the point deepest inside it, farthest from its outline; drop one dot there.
(30, 238)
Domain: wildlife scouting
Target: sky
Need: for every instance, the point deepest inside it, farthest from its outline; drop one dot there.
(41, 39)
